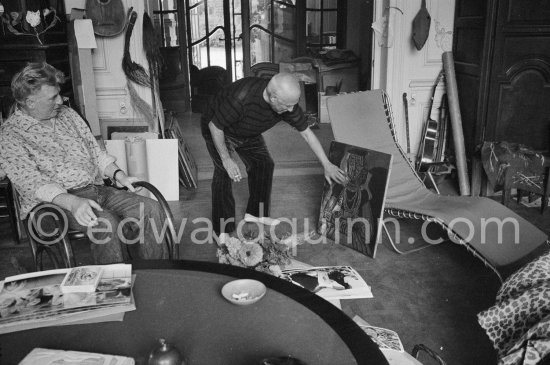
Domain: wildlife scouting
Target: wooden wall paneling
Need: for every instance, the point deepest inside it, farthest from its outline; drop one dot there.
(13, 57)
(520, 77)
(471, 51)
(502, 59)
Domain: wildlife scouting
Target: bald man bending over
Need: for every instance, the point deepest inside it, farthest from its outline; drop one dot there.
(233, 123)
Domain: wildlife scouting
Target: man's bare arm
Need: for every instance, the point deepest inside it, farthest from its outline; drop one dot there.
(218, 136)
(332, 172)
(81, 208)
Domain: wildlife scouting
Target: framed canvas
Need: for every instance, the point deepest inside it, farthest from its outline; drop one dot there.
(352, 214)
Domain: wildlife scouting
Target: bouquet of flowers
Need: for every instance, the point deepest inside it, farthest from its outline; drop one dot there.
(32, 23)
(263, 254)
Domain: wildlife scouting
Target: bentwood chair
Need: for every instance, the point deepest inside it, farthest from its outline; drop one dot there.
(58, 246)
(7, 206)
(423, 348)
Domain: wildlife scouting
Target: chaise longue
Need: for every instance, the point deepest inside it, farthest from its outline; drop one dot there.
(503, 240)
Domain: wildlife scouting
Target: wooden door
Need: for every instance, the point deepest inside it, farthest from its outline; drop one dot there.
(519, 89)
(399, 67)
(209, 40)
(473, 43)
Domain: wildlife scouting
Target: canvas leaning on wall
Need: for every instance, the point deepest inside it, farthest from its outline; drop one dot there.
(151, 160)
(352, 214)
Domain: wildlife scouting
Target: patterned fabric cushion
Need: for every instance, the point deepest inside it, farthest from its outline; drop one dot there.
(519, 323)
(532, 347)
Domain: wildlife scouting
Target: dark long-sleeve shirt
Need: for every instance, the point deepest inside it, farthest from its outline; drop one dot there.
(241, 111)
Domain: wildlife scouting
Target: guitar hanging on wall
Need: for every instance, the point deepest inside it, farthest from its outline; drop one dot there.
(428, 144)
(108, 16)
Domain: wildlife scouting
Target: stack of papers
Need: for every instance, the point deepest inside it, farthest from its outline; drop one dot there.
(41, 356)
(389, 343)
(35, 300)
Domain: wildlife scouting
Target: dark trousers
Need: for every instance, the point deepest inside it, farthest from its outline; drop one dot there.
(259, 168)
(108, 239)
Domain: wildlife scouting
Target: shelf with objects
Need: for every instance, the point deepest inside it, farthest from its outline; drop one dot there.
(338, 68)
(31, 32)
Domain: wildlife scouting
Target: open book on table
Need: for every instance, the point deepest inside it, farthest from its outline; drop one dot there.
(330, 282)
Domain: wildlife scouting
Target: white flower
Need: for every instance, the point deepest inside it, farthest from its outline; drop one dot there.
(222, 258)
(251, 254)
(275, 270)
(33, 18)
(233, 245)
(46, 11)
(1, 9)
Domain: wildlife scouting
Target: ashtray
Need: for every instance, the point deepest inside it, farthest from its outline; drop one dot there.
(244, 291)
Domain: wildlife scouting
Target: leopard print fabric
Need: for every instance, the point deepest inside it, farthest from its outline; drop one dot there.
(519, 323)
(532, 347)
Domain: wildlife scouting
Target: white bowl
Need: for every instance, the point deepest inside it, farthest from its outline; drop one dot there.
(244, 291)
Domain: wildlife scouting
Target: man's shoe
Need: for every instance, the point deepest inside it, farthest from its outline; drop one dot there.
(263, 220)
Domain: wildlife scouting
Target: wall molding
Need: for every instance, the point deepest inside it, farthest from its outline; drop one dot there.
(104, 92)
(421, 84)
(99, 59)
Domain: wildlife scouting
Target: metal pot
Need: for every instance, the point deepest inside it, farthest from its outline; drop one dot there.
(165, 354)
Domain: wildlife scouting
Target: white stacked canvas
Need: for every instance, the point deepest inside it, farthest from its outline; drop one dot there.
(152, 160)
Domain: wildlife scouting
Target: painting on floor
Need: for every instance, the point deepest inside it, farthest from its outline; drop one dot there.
(352, 214)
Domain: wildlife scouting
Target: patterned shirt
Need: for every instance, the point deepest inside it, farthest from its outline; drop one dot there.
(241, 111)
(44, 161)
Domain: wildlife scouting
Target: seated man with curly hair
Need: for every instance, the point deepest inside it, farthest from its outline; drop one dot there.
(50, 155)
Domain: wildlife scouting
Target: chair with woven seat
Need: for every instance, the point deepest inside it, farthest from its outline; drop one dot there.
(264, 69)
(204, 85)
(59, 242)
(365, 119)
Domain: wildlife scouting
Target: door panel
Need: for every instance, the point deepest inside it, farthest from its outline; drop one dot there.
(214, 29)
(399, 67)
(520, 78)
(521, 101)
(471, 49)
(528, 12)
(272, 31)
(208, 27)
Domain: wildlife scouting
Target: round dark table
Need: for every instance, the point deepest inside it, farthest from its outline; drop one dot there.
(181, 301)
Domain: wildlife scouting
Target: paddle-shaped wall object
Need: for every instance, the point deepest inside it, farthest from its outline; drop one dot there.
(421, 26)
(108, 16)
